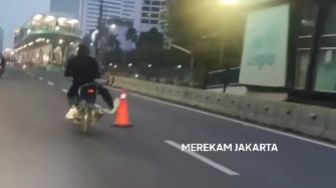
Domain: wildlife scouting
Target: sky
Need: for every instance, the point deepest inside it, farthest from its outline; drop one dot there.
(14, 13)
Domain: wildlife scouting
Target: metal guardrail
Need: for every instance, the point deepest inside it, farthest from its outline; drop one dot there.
(222, 78)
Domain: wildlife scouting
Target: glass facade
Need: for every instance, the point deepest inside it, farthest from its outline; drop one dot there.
(315, 60)
(305, 42)
(326, 61)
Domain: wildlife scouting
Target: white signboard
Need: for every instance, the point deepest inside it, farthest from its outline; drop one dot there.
(264, 61)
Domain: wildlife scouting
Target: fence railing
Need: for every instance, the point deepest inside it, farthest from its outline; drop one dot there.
(222, 78)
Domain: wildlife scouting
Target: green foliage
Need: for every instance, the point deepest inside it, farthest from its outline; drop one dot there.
(150, 48)
(131, 34)
(203, 26)
(111, 51)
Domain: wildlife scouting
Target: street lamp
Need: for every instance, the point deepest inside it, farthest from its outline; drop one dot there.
(229, 2)
(150, 65)
(191, 60)
(130, 65)
(113, 26)
(99, 26)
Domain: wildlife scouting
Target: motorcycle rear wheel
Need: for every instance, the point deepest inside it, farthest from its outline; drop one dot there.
(87, 120)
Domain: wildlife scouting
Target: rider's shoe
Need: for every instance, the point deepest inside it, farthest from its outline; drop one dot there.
(72, 113)
(116, 103)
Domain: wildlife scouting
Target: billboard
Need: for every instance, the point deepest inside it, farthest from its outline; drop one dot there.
(264, 61)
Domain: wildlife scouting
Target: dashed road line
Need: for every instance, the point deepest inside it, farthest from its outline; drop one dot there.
(64, 90)
(40, 78)
(204, 159)
(51, 83)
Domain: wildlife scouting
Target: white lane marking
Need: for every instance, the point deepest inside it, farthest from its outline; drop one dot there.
(64, 90)
(40, 78)
(246, 124)
(51, 83)
(204, 159)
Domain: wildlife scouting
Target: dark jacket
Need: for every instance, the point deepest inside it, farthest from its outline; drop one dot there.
(84, 69)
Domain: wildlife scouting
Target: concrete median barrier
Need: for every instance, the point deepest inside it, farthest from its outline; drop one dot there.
(286, 116)
(216, 102)
(266, 112)
(248, 109)
(330, 129)
(168, 93)
(210, 101)
(309, 120)
(312, 120)
(231, 105)
(188, 96)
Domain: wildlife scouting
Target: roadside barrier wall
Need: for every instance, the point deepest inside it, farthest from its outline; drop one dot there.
(309, 120)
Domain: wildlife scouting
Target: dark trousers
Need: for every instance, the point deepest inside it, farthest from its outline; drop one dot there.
(73, 95)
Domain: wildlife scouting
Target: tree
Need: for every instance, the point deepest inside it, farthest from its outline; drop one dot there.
(111, 52)
(152, 38)
(204, 27)
(131, 34)
(150, 52)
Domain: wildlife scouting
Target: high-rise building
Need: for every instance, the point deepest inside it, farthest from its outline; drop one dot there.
(144, 14)
(1, 39)
(150, 14)
(120, 9)
(70, 7)
(164, 14)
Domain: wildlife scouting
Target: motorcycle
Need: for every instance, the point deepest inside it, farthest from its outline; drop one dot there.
(88, 112)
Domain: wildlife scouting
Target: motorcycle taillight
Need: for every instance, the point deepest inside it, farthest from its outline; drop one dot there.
(91, 91)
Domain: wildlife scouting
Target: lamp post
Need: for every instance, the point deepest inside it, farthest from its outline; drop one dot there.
(229, 2)
(191, 60)
(221, 42)
(99, 27)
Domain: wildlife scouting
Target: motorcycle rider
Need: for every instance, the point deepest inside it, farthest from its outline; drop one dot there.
(83, 69)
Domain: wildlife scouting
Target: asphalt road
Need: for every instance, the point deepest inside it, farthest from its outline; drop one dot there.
(39, 148)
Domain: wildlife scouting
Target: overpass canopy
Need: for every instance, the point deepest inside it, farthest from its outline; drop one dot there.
(46, 27)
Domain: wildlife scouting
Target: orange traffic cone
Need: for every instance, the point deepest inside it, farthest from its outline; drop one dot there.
(122, 117)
